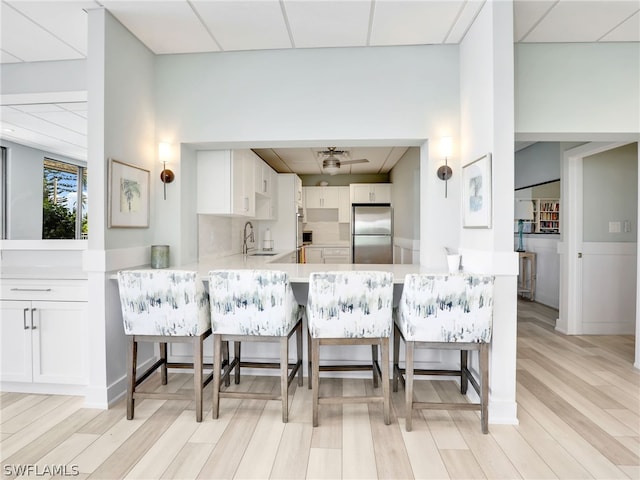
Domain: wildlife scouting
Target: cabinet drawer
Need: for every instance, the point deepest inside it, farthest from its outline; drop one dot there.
(55, 290)
(336, 252)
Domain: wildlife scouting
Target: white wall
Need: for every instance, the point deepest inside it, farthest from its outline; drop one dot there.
(486, 85)
(538, 163)
(610, 194)
(290, 95)
(547, 268)
(121, 125)
(405, 176)
(577, 87)
(406, 195)
(268, 99)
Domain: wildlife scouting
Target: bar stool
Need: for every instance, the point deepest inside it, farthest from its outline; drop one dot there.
(164, 306)
(350, 308)
(452, 312)
(254, 306)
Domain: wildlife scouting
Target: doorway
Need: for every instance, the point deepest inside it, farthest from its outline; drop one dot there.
(598, 265)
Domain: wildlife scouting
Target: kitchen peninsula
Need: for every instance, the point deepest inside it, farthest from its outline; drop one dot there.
(298, 272)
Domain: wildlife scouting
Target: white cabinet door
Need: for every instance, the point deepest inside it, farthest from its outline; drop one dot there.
(43, 342)
(313, 255)
(58, 342)
(344, 207)
(214, 182)
(225, 182)
(321, 197)
(381, 192)
(370, 193)
(15, 341)
(298, 192)
(243, 165)
(264, 177)
(312, 197)
(330, 197)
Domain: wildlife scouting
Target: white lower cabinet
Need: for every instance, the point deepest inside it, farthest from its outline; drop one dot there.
(43, 341)
(327, 255)
(313, 255)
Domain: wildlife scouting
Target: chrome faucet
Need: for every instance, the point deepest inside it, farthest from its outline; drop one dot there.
(246, 237)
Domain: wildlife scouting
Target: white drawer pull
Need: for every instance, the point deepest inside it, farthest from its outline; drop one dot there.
(30, 289)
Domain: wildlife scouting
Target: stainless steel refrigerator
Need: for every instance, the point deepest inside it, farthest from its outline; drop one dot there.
(372, 234)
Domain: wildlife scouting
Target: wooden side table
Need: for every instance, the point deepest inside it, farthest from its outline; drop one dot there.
(527, 275)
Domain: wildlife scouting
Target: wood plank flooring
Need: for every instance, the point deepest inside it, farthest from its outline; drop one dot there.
(578, 407)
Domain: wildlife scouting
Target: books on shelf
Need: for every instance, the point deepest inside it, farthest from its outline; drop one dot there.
(546, 217)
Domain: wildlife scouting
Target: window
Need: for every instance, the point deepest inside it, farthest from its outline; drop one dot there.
(64, 195)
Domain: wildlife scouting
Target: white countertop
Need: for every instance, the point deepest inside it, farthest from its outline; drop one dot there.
(328, 245)
(299, 272)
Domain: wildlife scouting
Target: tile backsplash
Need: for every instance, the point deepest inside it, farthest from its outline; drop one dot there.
(220, 236)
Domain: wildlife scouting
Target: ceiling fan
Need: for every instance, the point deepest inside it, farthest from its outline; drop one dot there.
(331, 164)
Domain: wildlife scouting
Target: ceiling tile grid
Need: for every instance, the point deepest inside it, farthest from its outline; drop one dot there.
(42, 30)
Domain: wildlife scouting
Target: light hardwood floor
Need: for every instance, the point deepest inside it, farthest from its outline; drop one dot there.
(578, 407)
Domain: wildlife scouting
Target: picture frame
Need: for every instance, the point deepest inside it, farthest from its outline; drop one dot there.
(128, 195)
(477, 198)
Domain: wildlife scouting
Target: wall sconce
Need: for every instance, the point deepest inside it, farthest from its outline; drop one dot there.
(166, 175)
(445, 172)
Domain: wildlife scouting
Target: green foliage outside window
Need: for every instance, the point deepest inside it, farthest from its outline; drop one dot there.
(59, 202)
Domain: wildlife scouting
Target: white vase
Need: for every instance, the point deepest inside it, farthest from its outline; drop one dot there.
(454, 263)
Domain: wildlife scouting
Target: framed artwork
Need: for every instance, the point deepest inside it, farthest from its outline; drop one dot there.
(128, 195)
(476, 193)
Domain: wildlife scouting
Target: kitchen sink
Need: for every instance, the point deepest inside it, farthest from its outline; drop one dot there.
(262, 254)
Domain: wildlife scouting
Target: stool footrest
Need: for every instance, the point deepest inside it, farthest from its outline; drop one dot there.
(354, 399)
(445, 406)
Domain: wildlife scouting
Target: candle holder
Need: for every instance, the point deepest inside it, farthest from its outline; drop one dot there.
(159, 256)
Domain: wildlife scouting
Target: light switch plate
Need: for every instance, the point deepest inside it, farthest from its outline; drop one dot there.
(615, 227)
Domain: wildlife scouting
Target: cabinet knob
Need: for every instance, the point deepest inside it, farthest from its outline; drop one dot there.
(33, 327)
(24, 318)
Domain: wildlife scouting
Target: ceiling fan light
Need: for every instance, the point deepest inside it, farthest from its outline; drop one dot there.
(331, 169)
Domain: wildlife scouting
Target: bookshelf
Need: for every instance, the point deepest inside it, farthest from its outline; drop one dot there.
(546, 216)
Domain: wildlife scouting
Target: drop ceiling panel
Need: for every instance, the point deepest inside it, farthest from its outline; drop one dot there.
(527, 13)
(66, 20)
(27, 41)
(581, 21)
(246, 25)
(459, 29)
(15, 119)
(627, 31)
(46, 144)
(164, 27)
(328, 23)
(413, 23)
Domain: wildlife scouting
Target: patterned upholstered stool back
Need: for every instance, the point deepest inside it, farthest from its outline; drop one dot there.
(350, 304)
(441, 308)
(252, 302)
(163, 302)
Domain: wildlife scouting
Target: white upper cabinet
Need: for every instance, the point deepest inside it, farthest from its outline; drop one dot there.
(370, 193)
(265, 178)
(226, 182)
(266, 188)
(298, 190)
(344, 205)
(321, 197)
